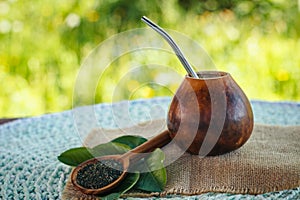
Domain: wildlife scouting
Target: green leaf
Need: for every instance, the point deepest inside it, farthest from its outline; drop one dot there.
(75, 156)
(130, 180)
(111, 196)
(131, 140)
(155, 180)
(110, 148)
(120, 145)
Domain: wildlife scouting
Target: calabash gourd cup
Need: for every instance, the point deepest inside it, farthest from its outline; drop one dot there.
(210, 115)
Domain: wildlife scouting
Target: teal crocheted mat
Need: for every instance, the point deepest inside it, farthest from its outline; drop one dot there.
(29, 168)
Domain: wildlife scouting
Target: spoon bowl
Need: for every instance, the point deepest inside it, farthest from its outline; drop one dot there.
(127, 160)
(107, 188)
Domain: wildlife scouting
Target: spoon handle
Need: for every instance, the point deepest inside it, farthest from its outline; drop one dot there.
(174, 46)
(158, 141)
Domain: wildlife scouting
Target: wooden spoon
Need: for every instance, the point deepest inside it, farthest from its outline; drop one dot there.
(126, 160)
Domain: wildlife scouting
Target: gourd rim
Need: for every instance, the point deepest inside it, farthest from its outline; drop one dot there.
(209, 75)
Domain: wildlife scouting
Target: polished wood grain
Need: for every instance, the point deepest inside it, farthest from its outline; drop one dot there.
(213, 109)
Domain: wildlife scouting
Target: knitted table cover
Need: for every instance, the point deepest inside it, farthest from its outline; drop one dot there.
(29, 147)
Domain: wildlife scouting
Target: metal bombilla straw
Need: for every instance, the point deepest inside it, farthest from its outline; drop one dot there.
(174, 46)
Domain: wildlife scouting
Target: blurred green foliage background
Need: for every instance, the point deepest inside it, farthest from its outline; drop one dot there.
(43, 43)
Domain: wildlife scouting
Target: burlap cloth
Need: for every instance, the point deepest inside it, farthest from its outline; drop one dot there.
(269, 161)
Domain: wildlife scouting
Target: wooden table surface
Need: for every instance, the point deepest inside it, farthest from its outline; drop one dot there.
(5, 120)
